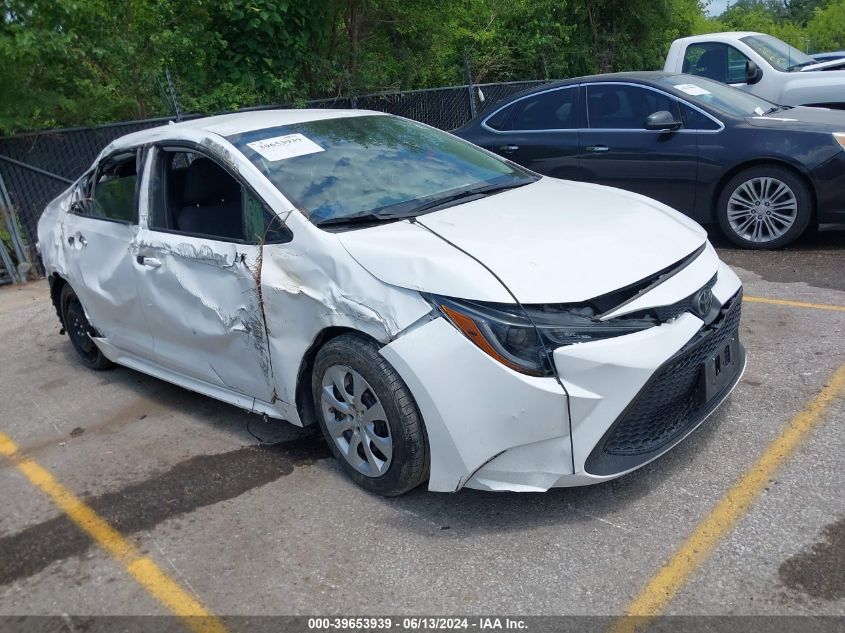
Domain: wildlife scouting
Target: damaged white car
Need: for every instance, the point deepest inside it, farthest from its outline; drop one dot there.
(441, 313)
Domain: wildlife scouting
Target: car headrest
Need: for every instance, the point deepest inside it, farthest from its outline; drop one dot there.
(208, 183)
(609, 103)
(711, 59)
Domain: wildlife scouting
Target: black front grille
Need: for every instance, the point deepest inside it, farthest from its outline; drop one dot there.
(666, 313)
(670, 404)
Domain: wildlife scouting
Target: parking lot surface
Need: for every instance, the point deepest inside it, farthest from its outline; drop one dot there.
(250, 529)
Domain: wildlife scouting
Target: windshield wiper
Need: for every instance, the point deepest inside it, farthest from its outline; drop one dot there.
(362, 218)
(378, 217)
(794, 67)
(465, 194)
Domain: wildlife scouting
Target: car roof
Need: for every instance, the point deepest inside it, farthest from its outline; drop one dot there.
(239, 122)
(640, 76)
(636, 75)
(716, 37)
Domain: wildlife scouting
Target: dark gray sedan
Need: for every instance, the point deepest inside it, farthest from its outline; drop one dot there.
(763, 172)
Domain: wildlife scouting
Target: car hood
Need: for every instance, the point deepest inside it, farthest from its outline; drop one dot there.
(552, 241)
(833, 64)
(802, 118)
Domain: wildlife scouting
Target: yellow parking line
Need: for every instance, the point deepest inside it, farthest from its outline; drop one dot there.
(141, 568)
(726, 514)
(795, 304)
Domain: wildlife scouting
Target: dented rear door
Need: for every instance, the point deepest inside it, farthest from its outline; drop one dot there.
(98, 234)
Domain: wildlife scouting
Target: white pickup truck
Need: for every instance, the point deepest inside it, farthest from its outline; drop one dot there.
(763, 65)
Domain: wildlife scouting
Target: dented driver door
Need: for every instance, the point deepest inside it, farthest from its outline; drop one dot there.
(196, 277)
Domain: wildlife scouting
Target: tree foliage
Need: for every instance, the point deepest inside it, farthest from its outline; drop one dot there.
(69, 62)
(811, 25)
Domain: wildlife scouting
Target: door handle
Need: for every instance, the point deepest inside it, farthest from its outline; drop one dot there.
(150, 262)
(507, 149)
(82, 240)
(598, 149)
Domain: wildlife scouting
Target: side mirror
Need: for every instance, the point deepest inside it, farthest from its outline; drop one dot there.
(663, 121)
(753, 73)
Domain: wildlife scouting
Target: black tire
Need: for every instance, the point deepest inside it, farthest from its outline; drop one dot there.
(798, 187)
(77, 328)
(409, 463)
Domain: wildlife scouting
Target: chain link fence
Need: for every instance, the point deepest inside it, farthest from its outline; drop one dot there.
(36, 167)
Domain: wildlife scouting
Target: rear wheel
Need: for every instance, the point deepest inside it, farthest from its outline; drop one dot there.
(764, 207)
(368, 417)
(78, 331)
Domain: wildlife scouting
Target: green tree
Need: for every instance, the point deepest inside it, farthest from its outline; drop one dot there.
(68, 62)
(826, 29)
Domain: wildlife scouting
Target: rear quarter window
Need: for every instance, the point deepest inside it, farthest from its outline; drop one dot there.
(110, 194)
(498, 120)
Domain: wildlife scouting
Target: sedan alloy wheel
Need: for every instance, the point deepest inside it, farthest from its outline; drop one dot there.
(765, 206)
(762, 209)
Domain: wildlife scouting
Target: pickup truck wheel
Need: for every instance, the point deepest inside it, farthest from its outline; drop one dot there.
(78, 330)
(369, 417)
(764, 207)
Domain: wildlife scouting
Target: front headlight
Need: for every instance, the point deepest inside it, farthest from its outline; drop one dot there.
(839, 137)
(523, 338)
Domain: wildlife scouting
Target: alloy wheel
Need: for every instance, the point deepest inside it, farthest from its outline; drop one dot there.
(356, 420)
(762, 209)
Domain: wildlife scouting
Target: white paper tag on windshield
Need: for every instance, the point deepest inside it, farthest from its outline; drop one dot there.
(282, 147)
(692, 90)
(759, 111)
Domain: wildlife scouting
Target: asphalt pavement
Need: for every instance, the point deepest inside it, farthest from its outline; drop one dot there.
(247, 528)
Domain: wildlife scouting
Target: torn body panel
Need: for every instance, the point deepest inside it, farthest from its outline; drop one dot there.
(306, 292)
(93, 256)
(202, 306)
(475, 409)
(669, 291)
(508, 431)
(100, 269)
(603, 378)
(51, 242)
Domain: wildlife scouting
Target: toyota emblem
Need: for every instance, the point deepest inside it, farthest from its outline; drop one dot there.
(703, 301)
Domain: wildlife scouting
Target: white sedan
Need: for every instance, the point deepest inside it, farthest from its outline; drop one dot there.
(441, 313)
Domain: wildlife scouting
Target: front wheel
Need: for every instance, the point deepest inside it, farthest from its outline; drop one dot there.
(764, 207)
(368, 417)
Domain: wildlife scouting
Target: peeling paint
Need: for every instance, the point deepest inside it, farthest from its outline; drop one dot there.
(202, 253)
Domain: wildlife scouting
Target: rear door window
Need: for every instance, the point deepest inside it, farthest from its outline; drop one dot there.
(554, 110)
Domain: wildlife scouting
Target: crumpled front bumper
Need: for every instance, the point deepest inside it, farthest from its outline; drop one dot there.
(492, 428)
(656, 371)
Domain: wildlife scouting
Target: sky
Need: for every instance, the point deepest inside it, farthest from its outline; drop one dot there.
(716, 7)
